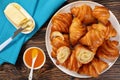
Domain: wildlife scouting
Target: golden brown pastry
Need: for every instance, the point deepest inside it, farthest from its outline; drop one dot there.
(76, 31)
(99, 65)
(84, 13)
(110, 32)
(108, 29)
(93, 68)
(101, 13)
(61, 22)
(72, 63)
(92, 71)
(62, 54)
(57, 40)
(55, 34)
(108, 50)
(84, 69)
(53, 53)
(88, 69)
(66, 38)
(83, 55)
(57, 43)
(94, 37)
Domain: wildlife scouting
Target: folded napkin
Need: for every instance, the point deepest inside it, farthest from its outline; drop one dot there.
(40, 10)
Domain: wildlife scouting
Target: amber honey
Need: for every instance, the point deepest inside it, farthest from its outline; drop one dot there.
(40, 60)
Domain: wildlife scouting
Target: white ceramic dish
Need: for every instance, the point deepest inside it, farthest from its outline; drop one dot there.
(25, 13)
(38, 66)
(66, 8)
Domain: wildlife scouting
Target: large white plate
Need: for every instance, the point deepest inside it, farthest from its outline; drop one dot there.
(66, 8)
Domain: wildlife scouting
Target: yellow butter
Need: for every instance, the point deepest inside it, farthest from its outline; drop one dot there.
(15, 15)
(19, 17)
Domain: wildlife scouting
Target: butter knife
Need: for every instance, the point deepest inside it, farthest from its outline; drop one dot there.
(9, 40)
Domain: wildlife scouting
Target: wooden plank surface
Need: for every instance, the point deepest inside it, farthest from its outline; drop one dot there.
(49, 71)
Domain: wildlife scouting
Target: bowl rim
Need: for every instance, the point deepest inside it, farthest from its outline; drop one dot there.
(25, 54)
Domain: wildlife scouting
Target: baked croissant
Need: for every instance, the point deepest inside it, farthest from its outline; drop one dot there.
(94, 37)
(83, 55)
(72, 63)
(93, 68)
(99, 65)
(84, 13)
(61, 22)
(108, 29)
(57, 40)
(110, 32)
(84, 69)
(89, 70)
(56, 34)
(108, 50)
(63, 54)
(76, 31)
(101, 13)
(66, 38)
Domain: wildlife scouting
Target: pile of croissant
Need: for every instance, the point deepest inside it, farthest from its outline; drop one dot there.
(80, 39)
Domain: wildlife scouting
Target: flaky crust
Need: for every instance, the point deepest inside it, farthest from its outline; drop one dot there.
(76, 31)
(94, 37)
(101, 13)
(72, 63)
(83, 55)
(108, 50)
(84, 13)
(94, 68)
(61, 22)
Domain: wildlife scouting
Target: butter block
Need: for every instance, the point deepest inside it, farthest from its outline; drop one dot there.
(15, 15)
(19, 17)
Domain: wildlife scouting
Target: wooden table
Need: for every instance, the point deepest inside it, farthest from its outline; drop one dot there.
(49, 71)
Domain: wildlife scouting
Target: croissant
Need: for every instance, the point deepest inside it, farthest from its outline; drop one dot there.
(89, 70)
(84, 69)
(83, 55)
(66, 38)
(99, 65)
(93, 68)
(107, 29)
(84, 13)
(63, 54)
(108, 50)
(61, 22)
(76, 31)
(101, 13)
(56, 34)
(94, 37)
(57, 40)
(72, 63)
(110, 32)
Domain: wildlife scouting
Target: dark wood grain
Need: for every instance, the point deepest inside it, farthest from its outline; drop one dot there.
(49, 71)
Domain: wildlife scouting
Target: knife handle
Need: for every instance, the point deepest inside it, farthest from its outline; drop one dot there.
(4, 44)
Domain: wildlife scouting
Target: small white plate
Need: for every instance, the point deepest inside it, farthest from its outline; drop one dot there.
(25, 13)
(66, 8)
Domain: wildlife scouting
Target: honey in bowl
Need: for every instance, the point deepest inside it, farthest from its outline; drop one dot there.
(40, 60)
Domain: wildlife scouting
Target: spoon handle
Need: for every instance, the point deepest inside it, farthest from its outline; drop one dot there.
(31, 71)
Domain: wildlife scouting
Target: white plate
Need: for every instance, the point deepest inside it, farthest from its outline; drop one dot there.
(66, 8)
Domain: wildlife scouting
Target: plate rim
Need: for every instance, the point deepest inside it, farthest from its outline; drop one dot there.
(48, 27)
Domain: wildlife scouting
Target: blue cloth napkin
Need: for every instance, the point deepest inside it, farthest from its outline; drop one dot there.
(40, 10)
